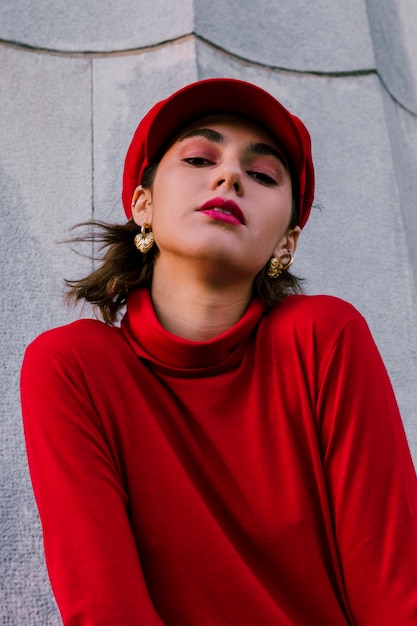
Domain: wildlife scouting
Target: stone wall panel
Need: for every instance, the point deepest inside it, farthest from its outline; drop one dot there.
(322, 36)
(45, 169)
(394, 33)
(96, 25)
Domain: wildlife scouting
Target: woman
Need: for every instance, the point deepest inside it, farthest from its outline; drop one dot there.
(232, 454)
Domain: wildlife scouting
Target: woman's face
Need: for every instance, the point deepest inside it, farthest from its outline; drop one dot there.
(222, 196)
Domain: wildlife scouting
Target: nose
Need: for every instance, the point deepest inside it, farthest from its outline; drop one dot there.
(229, 177)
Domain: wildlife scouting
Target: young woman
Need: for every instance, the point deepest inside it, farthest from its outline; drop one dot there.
(232, 453)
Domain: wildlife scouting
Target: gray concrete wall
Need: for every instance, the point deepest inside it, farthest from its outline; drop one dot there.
(75, 79)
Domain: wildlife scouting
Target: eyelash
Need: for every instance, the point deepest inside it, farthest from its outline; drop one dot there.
(197, 161)
(261, 177)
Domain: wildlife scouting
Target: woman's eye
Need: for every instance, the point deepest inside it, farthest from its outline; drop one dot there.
(197, 161)
(263, 178)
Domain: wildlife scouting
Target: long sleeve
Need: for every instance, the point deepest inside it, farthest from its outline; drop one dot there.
(371, 481)
(91, 554)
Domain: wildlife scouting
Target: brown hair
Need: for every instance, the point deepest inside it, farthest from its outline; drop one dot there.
(124, 269)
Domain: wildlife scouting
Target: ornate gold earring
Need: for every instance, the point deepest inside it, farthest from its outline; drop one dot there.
(144, 240)
(277, 266)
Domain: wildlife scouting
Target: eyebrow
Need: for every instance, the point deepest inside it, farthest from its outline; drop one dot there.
(266, 149)
(256, 148)
(208, 133)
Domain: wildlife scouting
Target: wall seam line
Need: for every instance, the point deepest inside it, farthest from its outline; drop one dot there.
(194, 35)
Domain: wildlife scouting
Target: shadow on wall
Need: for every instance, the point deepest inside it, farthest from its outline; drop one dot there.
(392, 51)
(24, 587)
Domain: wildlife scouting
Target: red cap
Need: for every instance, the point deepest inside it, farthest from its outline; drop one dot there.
(220, 95)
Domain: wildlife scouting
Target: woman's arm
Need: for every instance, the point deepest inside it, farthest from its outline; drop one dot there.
(91, 554)
(371, 481)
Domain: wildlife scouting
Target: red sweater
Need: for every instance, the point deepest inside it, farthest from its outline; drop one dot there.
(259, 478)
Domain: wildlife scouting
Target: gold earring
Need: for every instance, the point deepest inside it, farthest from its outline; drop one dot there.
(277, 266)
(144, 240)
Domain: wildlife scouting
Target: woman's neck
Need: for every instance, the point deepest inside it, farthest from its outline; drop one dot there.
(195, 309)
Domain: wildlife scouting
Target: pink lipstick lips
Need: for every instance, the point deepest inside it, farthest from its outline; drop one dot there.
(223, 210)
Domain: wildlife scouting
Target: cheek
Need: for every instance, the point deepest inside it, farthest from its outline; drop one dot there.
(274, 226)
(159, 217)
(169, 189)
(280, 210)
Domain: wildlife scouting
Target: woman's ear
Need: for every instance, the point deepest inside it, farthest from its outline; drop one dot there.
(288, 243)
(142, 206)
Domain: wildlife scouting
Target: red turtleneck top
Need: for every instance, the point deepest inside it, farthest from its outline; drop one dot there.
(259, 478)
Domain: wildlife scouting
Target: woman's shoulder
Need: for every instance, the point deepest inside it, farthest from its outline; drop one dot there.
(81, 336)
(313, 313)
(319, 306)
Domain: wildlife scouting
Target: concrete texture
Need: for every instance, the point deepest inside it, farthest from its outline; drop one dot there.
(69, 107)
(45, 169)
(394, 32)
(97, 25)
(402, 129)
(320, 36)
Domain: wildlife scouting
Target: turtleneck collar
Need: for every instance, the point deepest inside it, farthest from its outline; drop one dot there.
(152, 342)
